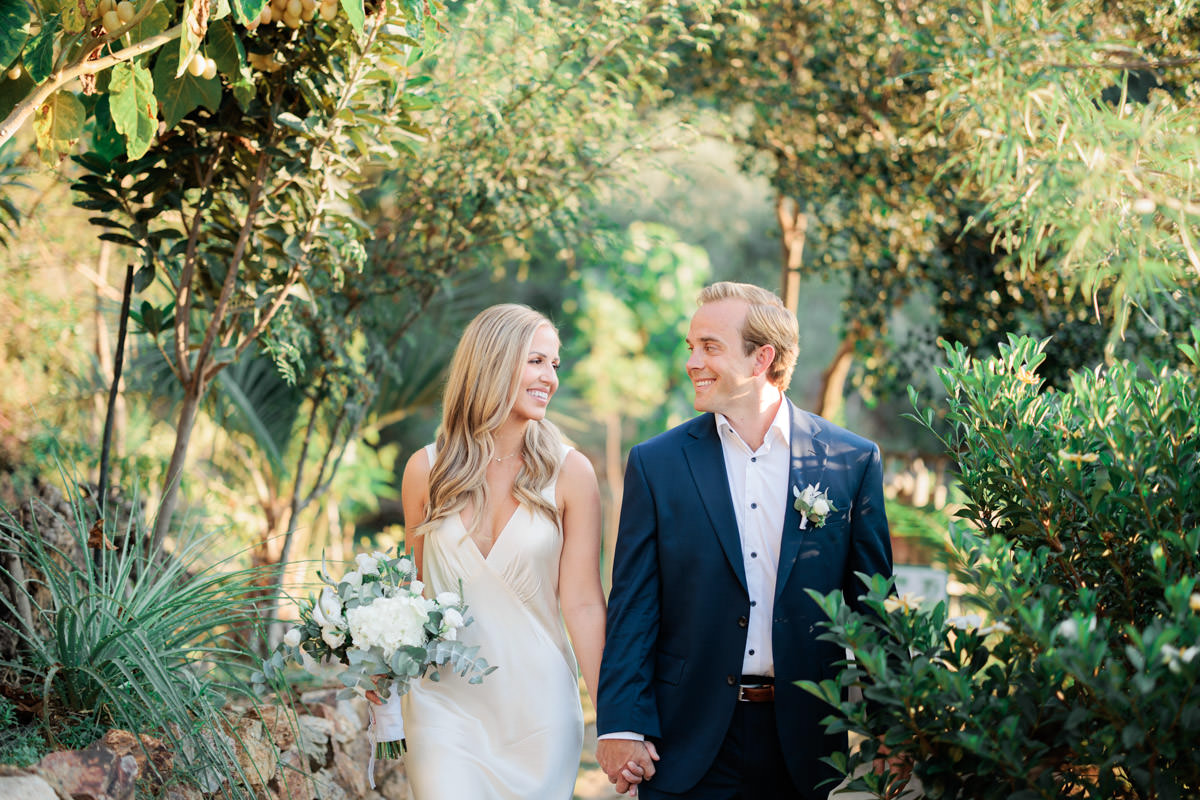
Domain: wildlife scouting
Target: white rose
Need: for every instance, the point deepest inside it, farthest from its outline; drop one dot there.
(367, 565)
(452, 618)
(333, 638)
(416, 587)
(353, 578)
(820, 507)
(292, 638)
(405, 564)
(448, 599)
(327, 611)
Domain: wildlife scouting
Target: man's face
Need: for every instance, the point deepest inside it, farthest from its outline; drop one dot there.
(722, 373)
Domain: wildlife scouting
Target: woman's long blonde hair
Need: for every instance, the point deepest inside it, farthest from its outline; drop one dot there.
(481, 391)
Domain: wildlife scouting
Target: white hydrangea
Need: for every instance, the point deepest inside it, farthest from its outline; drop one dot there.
(388, 623)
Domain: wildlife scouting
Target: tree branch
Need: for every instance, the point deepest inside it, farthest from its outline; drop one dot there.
(22, 110)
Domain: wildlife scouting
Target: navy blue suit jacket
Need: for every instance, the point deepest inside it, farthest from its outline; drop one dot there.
(677, 609)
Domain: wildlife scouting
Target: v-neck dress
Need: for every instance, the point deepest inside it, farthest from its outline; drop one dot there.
(518, 734)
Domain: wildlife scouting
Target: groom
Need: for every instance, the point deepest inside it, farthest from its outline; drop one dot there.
(709, 620)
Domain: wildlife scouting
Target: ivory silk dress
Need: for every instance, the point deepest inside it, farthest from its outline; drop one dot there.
(518, 734)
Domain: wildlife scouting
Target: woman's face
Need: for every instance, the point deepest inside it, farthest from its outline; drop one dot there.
(539, 376)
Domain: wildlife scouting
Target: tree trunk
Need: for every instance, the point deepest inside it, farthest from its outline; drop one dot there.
(833, 380)
(793, 227)
(615, 478)
(115, 390)
(183, 436)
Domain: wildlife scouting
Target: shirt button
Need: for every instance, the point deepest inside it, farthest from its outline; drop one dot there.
(754, 555)
(753, 603)
(751, 652)
(753, 459)
(754, 505)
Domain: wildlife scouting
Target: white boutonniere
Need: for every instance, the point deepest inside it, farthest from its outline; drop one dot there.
(813, 505)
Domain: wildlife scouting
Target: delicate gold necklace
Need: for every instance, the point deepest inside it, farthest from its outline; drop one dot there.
(510, 455)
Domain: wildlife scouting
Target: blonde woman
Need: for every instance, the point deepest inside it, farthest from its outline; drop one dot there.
(502, 505)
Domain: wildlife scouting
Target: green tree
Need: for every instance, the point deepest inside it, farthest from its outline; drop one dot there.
(863, 116)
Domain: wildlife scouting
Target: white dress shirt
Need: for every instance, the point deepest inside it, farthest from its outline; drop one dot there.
(758, 484)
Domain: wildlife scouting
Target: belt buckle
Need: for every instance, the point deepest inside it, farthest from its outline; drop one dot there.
(742, 687)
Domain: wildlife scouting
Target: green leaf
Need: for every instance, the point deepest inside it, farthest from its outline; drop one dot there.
(106, 139)
(154, 23)
(39, 51)
(179, 95)
(225, 48)
(14, 16)
(354, 13)
(57, 124)
(132, 104)
(247, 10)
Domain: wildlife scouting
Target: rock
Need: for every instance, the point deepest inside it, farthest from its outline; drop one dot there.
(26, 787)
(278, 724)
(351, 774)
(144, 749)
(292, 781)
(181, 792)
(95, 772)
(315, 736)
(327, 788)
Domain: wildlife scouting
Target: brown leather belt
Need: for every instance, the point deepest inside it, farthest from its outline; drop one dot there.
(754, 692)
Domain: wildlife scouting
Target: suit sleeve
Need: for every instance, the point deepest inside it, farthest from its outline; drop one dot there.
(871, 551)
(626, 699)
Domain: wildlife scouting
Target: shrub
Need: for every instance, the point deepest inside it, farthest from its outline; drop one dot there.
(148, 641)
(1081, 545)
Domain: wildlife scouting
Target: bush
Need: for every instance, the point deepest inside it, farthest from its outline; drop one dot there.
(151, 642)
(1081, 546)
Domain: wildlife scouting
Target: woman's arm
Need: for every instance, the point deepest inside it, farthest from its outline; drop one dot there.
(414, 497)
(580, 593)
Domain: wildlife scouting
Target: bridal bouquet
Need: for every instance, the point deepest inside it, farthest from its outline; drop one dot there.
(375, 620)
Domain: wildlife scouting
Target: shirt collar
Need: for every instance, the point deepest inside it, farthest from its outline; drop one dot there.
(781, 425)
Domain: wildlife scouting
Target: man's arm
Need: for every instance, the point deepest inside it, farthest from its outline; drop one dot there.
(871, 543)
(625, 701)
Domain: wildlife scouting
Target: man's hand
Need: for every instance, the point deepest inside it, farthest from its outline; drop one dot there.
(626, 762)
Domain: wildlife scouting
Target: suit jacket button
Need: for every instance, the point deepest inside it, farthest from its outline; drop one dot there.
(743, 622)
(731, 680)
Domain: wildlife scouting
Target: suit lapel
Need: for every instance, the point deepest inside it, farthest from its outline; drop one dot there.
(707, 463)
(807, 466)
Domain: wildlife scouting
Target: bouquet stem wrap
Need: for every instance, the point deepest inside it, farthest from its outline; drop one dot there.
(386, 732)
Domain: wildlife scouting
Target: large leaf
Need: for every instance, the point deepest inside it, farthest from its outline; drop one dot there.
(133, 106)
(39, 51)
(354, 13)
(106, 140)
(225, 48)
(57, 124)
(247, 10)
(14, 16)
(77, 14)
(152, 24)
(180, 95)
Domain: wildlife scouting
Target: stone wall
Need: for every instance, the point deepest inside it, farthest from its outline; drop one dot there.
(323, 752)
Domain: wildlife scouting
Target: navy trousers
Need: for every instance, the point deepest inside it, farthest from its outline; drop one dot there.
(749, 765)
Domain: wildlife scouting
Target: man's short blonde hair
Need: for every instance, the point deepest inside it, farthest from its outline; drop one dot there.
(767, 322)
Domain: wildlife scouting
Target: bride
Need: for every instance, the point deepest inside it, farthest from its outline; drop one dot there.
(501, 509)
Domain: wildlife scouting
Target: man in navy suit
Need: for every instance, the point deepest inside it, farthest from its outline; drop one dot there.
(727, 520)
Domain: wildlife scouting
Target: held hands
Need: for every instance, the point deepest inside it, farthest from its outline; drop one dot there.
(626, 762)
